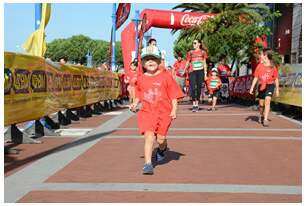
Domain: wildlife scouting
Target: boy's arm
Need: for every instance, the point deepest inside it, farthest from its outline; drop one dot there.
(174, 108)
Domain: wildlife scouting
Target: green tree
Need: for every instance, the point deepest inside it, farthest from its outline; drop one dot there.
(75, 48)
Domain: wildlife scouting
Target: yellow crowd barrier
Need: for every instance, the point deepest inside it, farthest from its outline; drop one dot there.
(290, 85)
(34, 87)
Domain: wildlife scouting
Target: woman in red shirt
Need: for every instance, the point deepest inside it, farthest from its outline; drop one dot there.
(158, 93)
(196, 58)
(267, 75)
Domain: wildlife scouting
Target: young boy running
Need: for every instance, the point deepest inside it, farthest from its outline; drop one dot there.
(213, 85)
(158, 93)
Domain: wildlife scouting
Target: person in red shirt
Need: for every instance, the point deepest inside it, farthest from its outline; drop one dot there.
(130, 78)
(267, 75)
(213, 83)
(196, 58)
(158, 93)
(224, 70)
(179, 72)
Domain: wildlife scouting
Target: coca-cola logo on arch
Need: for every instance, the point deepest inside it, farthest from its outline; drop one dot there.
(188, 20)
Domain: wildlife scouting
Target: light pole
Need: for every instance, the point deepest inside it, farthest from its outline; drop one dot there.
(38, 7)
(89, 59)
(147, 36)
(136, 20)
(114, 38)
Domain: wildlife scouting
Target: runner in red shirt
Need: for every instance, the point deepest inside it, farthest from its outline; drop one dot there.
(197, 72)
(267, 75)
(179, 72)
(130, 78)
(213, 83)
(158, 93)
(224, 70)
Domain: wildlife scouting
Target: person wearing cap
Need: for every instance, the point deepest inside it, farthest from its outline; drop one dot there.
(213, 83)
(158, 93)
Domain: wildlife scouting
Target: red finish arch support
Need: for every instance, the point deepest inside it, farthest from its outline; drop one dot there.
(159, 19)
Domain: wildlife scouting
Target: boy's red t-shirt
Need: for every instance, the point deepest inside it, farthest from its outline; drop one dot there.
(196, 59)
(266, 75)
(157, 92)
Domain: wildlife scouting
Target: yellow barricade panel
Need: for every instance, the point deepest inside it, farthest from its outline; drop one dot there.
(290, 85)
(34, 87)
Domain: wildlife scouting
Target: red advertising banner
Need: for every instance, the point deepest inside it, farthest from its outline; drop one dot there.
(122, 14)
(240, 87)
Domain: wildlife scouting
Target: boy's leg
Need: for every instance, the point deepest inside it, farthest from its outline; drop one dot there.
(162, 147)
(148, 147)
(162, 142)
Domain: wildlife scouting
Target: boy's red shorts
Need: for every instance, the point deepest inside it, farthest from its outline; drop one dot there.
(150, 122)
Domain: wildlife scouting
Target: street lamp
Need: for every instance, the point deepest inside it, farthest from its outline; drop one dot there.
(136, 21)
(147, 36)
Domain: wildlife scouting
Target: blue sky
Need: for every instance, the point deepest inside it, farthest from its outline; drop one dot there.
(67, 19)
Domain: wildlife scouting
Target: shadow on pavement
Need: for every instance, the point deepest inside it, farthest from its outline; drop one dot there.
(170, 155)
(252, 118)
(15, 164)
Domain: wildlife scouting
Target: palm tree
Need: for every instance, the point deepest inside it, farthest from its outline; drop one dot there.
(257, 11)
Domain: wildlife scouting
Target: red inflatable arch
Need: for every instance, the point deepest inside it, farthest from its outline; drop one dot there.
(160, 19)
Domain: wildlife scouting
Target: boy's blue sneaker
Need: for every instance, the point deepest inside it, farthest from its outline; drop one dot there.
(148, 169)
(160, 155)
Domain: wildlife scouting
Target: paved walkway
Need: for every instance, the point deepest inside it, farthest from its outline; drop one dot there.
(222, 156)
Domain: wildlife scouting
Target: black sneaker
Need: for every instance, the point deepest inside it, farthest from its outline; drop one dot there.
(197, 108)
(194, 109)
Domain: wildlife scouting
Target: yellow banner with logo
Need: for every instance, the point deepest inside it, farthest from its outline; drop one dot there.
(290, 85)
(34, 87)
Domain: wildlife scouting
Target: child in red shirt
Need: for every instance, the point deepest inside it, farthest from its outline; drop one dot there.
(213, 83)
(267, 75)
(130, 78)
(158, 93)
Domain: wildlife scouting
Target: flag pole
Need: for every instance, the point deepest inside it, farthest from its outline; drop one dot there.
(114, 38)
(38, 8)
